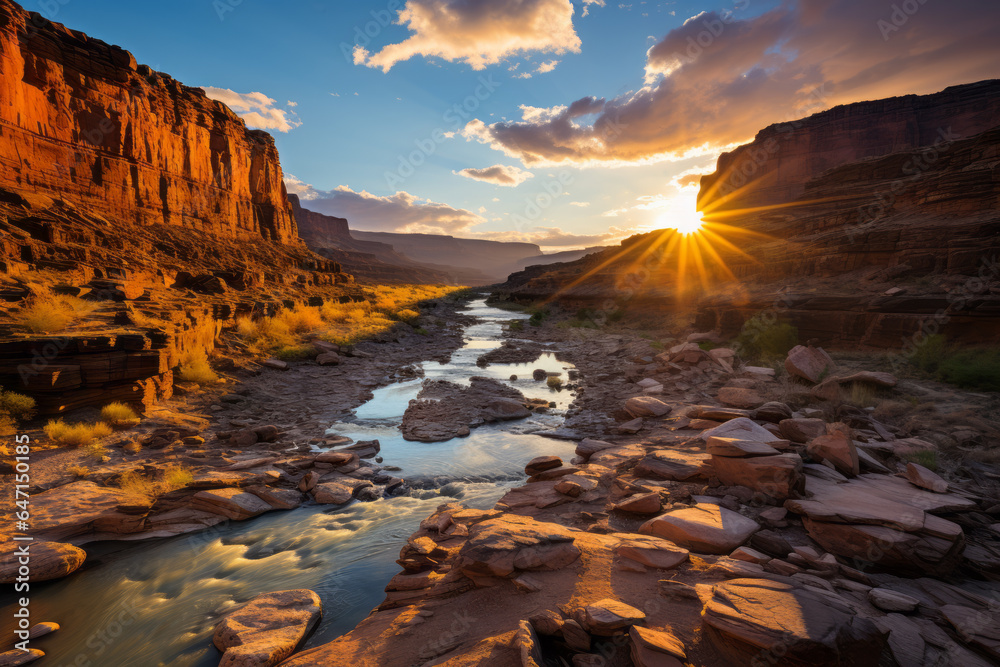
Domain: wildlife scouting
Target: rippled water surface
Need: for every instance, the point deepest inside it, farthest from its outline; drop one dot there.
(156, 602)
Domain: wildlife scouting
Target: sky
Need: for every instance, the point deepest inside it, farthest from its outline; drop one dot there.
(567, 123)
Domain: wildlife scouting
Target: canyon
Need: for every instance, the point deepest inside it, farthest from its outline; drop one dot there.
(855, 224)
(581, 466)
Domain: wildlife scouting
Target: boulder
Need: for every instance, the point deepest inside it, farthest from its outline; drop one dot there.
(676, 465)
(779, 477)
(839, 450)
(773, 412)
(502, 546)
(757, 619)
(267, 629)
(336, 457)
(528, 646)
(48, 560)
(328, 359)
(925, 479)
(276, 364)
(740, 397)
(541, 464)
(704, 528)
(646, 407)
(809, 363)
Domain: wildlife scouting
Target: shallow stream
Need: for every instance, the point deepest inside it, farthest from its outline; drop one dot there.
(156, 602)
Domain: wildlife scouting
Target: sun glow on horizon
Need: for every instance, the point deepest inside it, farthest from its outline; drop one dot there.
(684, 222)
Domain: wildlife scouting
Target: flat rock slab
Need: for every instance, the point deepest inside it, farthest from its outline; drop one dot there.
(741, 428)
(646, 407)
(926, 479)
(48, 560)
(750, 618)
(673, 464)
(704, 528)
(651, 551)
(231, 503)
(734, 447)
(17, 657)
(605, 617)
(267, 629)
(499, 547)
(73, 509)
(655, 648)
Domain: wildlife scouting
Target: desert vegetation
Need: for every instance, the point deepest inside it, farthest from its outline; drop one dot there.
(286, 334)
(14, 408)
(75, 435)
(141, 490)
(976, 368)
(48, 312)
(119, 416)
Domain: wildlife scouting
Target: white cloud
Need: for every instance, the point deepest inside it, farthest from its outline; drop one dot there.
(401, 212)
(719, 78)
(555, 237)
(580, 204)
(477, 32)
(498, 174)
(256, 109)
(547, 67)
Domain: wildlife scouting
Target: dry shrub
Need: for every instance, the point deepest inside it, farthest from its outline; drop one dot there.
(195, 368)
(141, 490)
(75, 435)
(78, 471)
(119, 415)
(51, 313)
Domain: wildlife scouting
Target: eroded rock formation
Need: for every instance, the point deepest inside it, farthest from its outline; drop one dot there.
(81, 119)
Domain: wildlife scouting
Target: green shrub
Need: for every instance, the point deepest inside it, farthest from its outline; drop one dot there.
(974, 368)
(928, 353)
(516, 325)
(16, 406)
(764, 338)
(538, 317)
(925, 457)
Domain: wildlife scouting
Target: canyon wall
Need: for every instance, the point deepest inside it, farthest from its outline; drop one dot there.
(80, 119)
(862, 225)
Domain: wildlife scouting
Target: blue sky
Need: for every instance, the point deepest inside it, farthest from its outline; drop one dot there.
(352, 119)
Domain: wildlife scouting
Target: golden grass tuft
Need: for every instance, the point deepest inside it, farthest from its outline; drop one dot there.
(119, 416)
(51, 313)
(75, 435)
(340, 323)
(132, 447)
(78, 471)
(195, 368)
(141, 490)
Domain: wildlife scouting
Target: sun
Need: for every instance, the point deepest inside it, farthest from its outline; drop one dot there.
(685, 222)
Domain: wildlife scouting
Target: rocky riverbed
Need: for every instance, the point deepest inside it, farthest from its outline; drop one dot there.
(686, 508)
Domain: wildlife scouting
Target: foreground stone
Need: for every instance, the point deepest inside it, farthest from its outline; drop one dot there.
(750, 618)
(605, 617)
(655, 648)
(267, 629)
(925, 479)
(809, 363)
(233, 504)
(647, 406)
(704, 528)
(49, 560)
(499, 547)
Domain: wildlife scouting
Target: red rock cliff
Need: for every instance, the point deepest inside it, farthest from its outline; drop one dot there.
(80, 119)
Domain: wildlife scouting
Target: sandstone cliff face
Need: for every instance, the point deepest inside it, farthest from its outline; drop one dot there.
(826, 215)
(80, 119)
(783, 158)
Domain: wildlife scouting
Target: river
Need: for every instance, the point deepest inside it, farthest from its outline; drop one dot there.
(156, 602)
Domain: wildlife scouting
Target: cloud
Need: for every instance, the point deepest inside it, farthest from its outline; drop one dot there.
(498, 174)
(256, 109)
(558, 238)
(580, 204)
(477, 32)
(401, 212)
(717, 79)
(547, 67)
